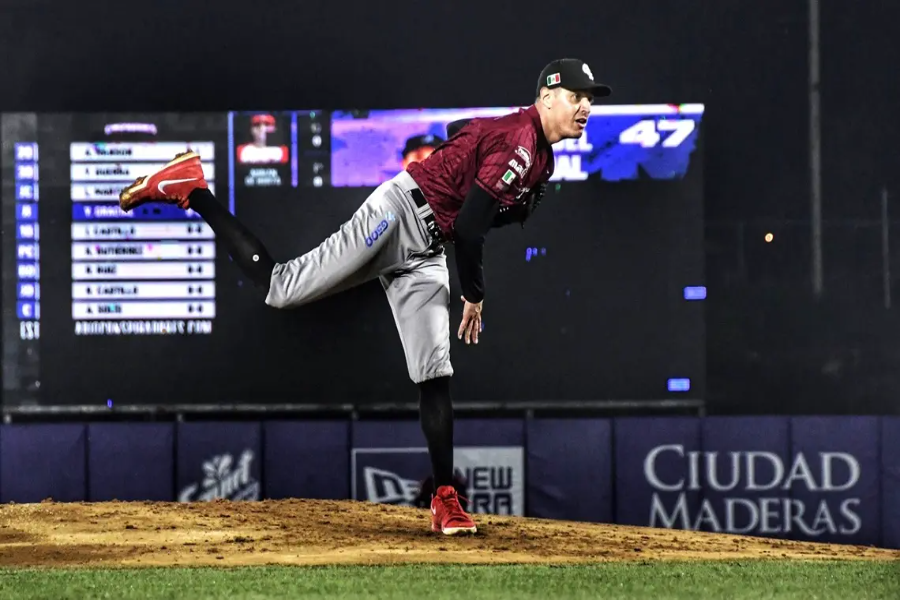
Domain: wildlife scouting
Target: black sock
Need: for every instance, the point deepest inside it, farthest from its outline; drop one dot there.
(244, 247)
(436, 416)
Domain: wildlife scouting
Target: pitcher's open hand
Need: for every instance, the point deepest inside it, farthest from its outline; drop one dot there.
(471, 321)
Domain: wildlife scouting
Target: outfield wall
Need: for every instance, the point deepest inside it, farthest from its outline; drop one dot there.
(828, 479)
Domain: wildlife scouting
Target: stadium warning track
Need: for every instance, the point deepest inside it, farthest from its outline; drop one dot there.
(318, 532)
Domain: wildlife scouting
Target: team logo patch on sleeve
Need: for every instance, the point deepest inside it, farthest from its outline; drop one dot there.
(517, 167)
(526, 156)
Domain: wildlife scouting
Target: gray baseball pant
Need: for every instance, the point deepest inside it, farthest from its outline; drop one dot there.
(387, 239)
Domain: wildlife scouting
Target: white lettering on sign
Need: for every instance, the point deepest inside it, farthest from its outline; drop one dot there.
(736, 472)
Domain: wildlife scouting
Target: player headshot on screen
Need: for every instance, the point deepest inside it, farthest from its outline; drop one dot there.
(418, 148)
(492, 173)
(258, 152)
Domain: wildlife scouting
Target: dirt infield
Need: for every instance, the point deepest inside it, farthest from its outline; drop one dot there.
(307, 532)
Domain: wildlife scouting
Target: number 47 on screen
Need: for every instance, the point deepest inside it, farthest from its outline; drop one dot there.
(647, 132)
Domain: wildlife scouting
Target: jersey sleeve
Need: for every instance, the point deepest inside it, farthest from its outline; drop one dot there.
(505, 158)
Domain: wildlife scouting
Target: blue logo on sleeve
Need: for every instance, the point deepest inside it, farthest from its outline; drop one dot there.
(379, 231)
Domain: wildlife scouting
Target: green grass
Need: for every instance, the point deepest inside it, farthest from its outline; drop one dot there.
(693, 581)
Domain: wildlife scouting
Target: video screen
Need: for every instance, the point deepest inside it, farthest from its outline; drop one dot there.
(141, 307)
(371, 147)
(619, 143)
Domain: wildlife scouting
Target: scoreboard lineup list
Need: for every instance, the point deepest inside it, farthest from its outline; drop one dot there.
(28, 254)
(150, 271)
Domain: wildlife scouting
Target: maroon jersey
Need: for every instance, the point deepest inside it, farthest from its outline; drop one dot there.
(507, 156)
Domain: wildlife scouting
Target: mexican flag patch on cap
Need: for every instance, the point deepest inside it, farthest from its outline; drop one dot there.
(553, 79)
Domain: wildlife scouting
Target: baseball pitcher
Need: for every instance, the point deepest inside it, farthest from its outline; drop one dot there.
(491, 172)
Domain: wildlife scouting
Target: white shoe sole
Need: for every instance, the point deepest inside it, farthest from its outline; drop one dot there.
(458, 530)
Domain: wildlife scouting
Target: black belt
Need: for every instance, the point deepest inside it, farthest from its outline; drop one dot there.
(427, 216)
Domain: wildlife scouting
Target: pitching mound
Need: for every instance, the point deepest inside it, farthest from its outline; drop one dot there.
(304, 532)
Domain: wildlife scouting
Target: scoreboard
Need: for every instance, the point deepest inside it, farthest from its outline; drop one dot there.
(94, 287)
(137, 274)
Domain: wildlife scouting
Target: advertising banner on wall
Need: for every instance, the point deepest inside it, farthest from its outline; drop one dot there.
(741, 468)
(219, 460)
(389, 462)
(805, 478)
(657, 482)
(833, 479)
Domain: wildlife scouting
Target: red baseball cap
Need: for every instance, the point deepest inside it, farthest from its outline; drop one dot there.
(268, 120)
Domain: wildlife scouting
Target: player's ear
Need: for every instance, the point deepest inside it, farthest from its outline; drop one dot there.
(547, 97)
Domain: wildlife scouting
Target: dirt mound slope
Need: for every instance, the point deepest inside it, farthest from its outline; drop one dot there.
(316, 532)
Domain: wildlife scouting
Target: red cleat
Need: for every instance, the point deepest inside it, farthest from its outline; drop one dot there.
(171, 184)
(447, 516)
